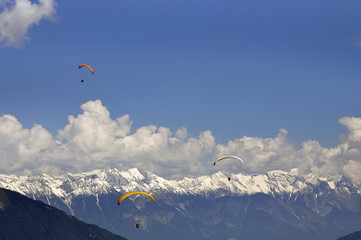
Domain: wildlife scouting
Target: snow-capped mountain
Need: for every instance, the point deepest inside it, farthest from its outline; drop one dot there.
(68, 186)
(306, 206)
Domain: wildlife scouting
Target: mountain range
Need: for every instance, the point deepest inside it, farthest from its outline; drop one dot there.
(276, 205)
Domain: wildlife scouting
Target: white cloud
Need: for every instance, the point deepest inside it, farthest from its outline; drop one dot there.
(16, 19)
(353, 124)
(21, 148)
(94, 140)
(353, 170)
(262, 155)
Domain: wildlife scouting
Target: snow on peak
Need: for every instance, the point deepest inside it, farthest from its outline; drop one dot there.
(68, 186)
(133, 174)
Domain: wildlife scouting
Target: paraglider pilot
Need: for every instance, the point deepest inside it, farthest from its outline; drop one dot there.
(137, 225)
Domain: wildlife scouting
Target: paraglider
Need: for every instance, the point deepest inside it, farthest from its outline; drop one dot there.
(131, 193)
(84, 65)
(87, 66)
(228, 157)
(225, 157)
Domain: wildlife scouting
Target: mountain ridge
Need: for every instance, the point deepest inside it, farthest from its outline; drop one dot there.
(22, 218)
(205, 207)
(105, 181)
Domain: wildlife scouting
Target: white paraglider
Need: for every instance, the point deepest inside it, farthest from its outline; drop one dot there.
(228, 157)
(225, 157)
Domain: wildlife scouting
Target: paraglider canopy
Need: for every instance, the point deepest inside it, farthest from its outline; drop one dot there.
(84, 65)
(228, 156)
(131, 193)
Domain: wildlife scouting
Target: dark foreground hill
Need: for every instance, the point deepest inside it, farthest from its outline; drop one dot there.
(23, 218)
(352, 236)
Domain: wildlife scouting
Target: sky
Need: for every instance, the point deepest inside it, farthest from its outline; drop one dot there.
(178, 84)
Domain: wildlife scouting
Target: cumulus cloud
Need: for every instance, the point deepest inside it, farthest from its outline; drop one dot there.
(20, 15)
(21, 148)
(93, 140)
(353, 125)
(353, 170)
(265, 154)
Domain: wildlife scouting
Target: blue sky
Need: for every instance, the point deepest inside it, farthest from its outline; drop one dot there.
(236, 68)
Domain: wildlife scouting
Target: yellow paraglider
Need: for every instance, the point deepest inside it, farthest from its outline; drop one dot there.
(131, 193)
(84, 65)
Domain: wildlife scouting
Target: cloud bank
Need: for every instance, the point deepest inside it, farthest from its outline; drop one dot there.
(93, 140)
(18, 16)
